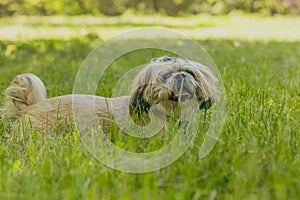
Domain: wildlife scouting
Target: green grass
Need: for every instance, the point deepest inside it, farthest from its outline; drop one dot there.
(256, 157)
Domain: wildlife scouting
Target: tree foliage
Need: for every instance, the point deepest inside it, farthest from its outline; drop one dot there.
(167, 7)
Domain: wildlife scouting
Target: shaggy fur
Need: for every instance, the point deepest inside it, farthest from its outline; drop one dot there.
(165, 81)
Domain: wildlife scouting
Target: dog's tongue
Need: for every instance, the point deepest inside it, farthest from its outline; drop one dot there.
(186, 94)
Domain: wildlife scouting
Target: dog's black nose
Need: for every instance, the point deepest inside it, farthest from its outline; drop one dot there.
(180, 76)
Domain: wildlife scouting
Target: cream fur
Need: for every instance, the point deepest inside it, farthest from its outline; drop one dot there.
(59, 110)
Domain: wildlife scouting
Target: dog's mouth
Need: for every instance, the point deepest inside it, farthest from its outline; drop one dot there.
(181, 96)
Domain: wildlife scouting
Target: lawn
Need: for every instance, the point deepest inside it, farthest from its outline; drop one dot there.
(256, 157)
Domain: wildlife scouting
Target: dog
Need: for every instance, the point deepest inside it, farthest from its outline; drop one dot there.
(165, 81)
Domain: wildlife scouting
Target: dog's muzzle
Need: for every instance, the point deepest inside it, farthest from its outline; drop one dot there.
(181, 91)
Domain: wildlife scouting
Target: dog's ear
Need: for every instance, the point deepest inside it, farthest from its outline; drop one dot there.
(205, 105)
(206, 85)
(137, 103)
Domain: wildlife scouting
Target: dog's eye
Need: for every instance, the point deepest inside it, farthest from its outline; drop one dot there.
(191, 73)
(166, 76)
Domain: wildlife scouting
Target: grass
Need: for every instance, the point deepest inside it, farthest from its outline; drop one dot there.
(256, 157)
(233, 26)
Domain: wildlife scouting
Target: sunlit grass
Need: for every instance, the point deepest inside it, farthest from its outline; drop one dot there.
(234, 26)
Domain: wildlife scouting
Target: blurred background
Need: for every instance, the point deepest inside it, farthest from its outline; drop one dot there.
(199, 19)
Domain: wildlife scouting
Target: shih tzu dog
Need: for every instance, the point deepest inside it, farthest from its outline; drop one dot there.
(165, 81)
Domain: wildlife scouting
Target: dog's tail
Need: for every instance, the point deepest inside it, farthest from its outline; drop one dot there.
(24, 90)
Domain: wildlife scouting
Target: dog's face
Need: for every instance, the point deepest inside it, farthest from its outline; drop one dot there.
(169, 81)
